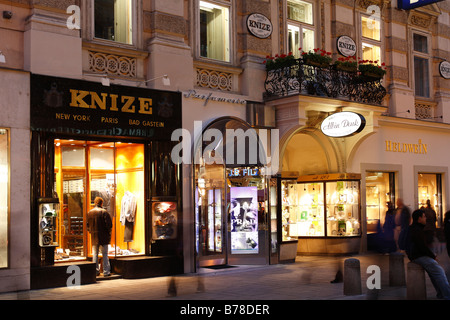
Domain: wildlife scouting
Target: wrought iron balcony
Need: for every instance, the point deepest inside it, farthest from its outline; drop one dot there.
(301, 78)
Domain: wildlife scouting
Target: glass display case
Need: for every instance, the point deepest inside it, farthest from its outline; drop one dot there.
(164, 220)
(343, 208)
(48, 222)
(320, 206)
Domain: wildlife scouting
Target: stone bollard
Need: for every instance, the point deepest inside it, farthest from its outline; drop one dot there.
(352, 277)
(396, 270)
(415, 283)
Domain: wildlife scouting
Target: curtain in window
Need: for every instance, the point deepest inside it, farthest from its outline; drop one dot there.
(123, 21)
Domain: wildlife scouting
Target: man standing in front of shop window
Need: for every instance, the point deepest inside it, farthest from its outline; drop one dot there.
(99, 224)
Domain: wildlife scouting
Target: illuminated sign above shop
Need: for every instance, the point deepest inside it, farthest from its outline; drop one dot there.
(71, 106)
(259, 25)
(411, 4)
(244, 172)
(343, 124)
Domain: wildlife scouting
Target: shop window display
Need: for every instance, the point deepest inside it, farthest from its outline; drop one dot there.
(343, 208)
(303, 210)
(430, 190)
(318, 209)
(380, 190)
(4, 196)
(113, 171)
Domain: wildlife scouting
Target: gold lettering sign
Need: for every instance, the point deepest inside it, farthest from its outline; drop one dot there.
(111, 102)
(417, 148)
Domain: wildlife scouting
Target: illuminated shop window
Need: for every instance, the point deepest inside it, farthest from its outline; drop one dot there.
(214, 31)
(430, 194)
(300, 27)
(320, 209)
(114, 20)
(4, 197)
(380, 189)
(113, 171)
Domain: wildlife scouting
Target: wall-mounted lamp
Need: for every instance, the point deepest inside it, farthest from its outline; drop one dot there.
(165, 80)
(105, 80)
(7, 14)
(2, 58)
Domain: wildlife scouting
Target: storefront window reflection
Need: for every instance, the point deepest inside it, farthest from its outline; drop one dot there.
(4, 196)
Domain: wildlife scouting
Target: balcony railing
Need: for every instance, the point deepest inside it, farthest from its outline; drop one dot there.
(301, 78)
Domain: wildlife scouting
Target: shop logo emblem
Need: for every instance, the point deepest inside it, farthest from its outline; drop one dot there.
(343, 124)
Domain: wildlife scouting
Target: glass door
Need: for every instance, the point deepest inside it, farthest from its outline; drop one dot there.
(210, 220)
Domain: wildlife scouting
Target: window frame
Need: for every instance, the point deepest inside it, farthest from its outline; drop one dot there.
(88, 26)
(422, 55)
(362, 39)
(8, 200)
(231, 29)
(301, 25)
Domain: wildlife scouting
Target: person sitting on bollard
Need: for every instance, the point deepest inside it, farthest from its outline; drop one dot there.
(418, 252)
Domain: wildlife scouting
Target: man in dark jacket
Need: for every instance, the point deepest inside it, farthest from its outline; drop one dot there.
(418, 252)
(99, 224)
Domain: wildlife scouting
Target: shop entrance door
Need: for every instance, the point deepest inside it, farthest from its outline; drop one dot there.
(113, 171)
(210, 218)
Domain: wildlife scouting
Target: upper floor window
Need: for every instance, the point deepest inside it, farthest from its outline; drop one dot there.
(371, 39)
(113, 20)
(214, 31)
(421, 59)
(300, 26)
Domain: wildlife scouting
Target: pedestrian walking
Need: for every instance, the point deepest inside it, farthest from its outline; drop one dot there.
(389, 244)
(402, 222)
(430, 227)
(447, 231)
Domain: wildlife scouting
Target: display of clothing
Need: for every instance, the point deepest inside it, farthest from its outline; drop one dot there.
(127, 214)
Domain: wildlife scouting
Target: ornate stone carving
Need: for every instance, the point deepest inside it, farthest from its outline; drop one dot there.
(112, 64)
(214, 79)
(420, 20)
(424, 111)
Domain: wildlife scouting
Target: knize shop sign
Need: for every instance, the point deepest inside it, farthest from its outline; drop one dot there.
(259, 25)
(343, 124)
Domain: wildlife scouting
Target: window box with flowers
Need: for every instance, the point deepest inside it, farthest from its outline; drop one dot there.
(279, 61)
(370, 70)
(348, 64)
(317, 58)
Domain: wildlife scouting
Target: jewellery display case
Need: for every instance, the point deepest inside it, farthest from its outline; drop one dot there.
(320, 206)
